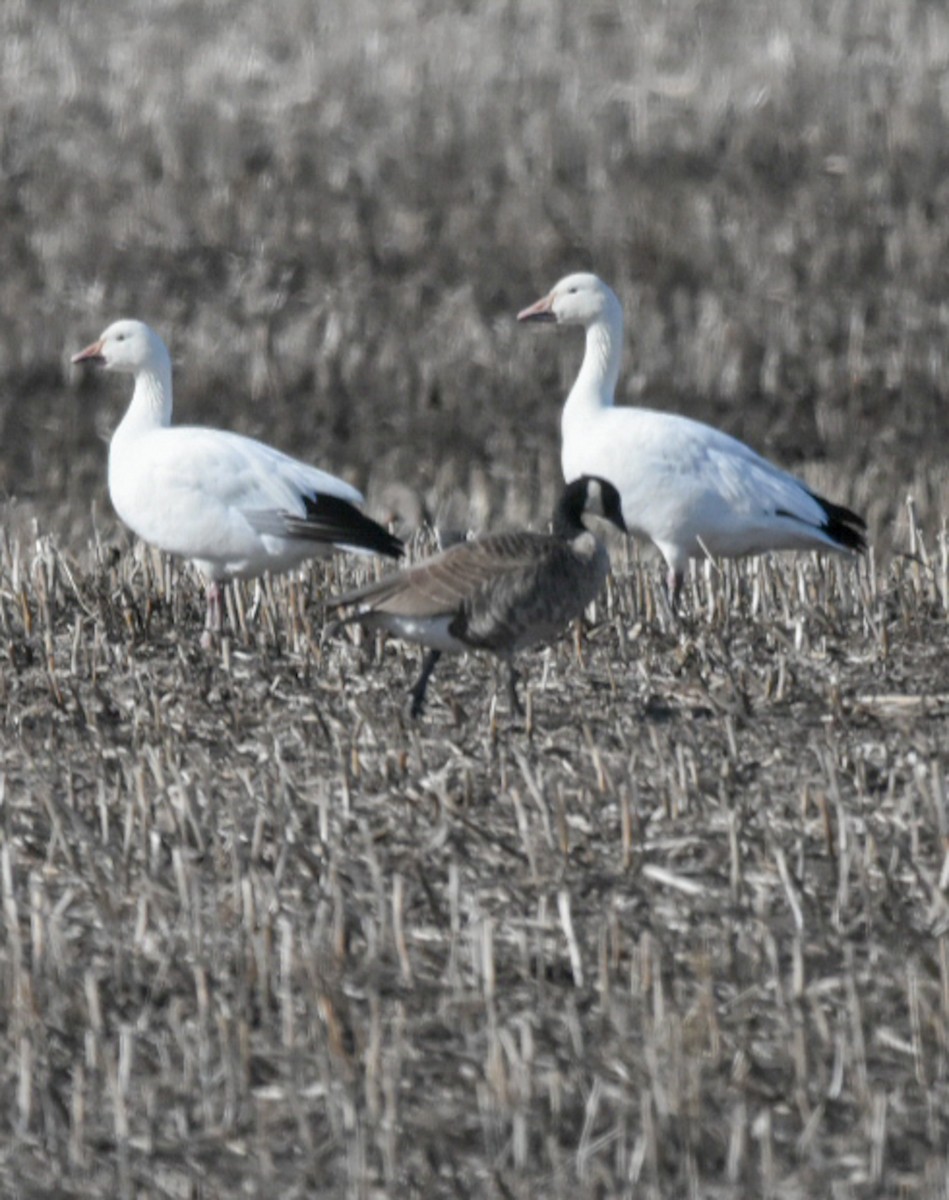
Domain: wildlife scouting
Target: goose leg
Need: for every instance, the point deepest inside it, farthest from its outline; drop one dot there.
(212, 620)
(512, 689)
(674, 581)
(418, 691)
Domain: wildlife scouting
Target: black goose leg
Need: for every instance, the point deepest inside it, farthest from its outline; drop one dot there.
(674, 582)
(418, 692)
(512, 690)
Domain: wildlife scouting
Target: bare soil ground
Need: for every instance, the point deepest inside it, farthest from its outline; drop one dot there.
(685, 930)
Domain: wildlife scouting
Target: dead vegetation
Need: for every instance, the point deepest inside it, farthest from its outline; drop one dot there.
(686, 932)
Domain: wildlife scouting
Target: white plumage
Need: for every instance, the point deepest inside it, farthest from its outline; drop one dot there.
(232, 505)
(687, 487)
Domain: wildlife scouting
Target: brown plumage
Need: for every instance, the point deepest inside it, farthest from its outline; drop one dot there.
(500, 593)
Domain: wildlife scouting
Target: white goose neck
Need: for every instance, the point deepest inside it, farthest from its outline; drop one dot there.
(151, 400)
(595, 385)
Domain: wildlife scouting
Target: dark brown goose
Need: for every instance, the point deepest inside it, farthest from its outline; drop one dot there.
(502, 592)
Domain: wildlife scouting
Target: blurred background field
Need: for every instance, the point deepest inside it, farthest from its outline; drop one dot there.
(332, 213)
(686, 935)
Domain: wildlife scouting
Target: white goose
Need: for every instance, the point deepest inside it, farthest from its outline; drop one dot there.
(232, 505)
(690, 489)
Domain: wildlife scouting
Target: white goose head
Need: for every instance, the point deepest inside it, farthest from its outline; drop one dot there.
(579, 299)
(127, 346)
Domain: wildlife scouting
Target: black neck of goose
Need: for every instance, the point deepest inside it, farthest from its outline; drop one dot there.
(568, 515)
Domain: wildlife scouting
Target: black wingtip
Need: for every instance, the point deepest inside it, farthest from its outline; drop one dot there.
(332, 519)
(846, 527)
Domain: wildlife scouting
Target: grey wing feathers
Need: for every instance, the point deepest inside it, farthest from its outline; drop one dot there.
(443, 584)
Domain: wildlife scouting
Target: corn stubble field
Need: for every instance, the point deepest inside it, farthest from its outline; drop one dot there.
(684, 929)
